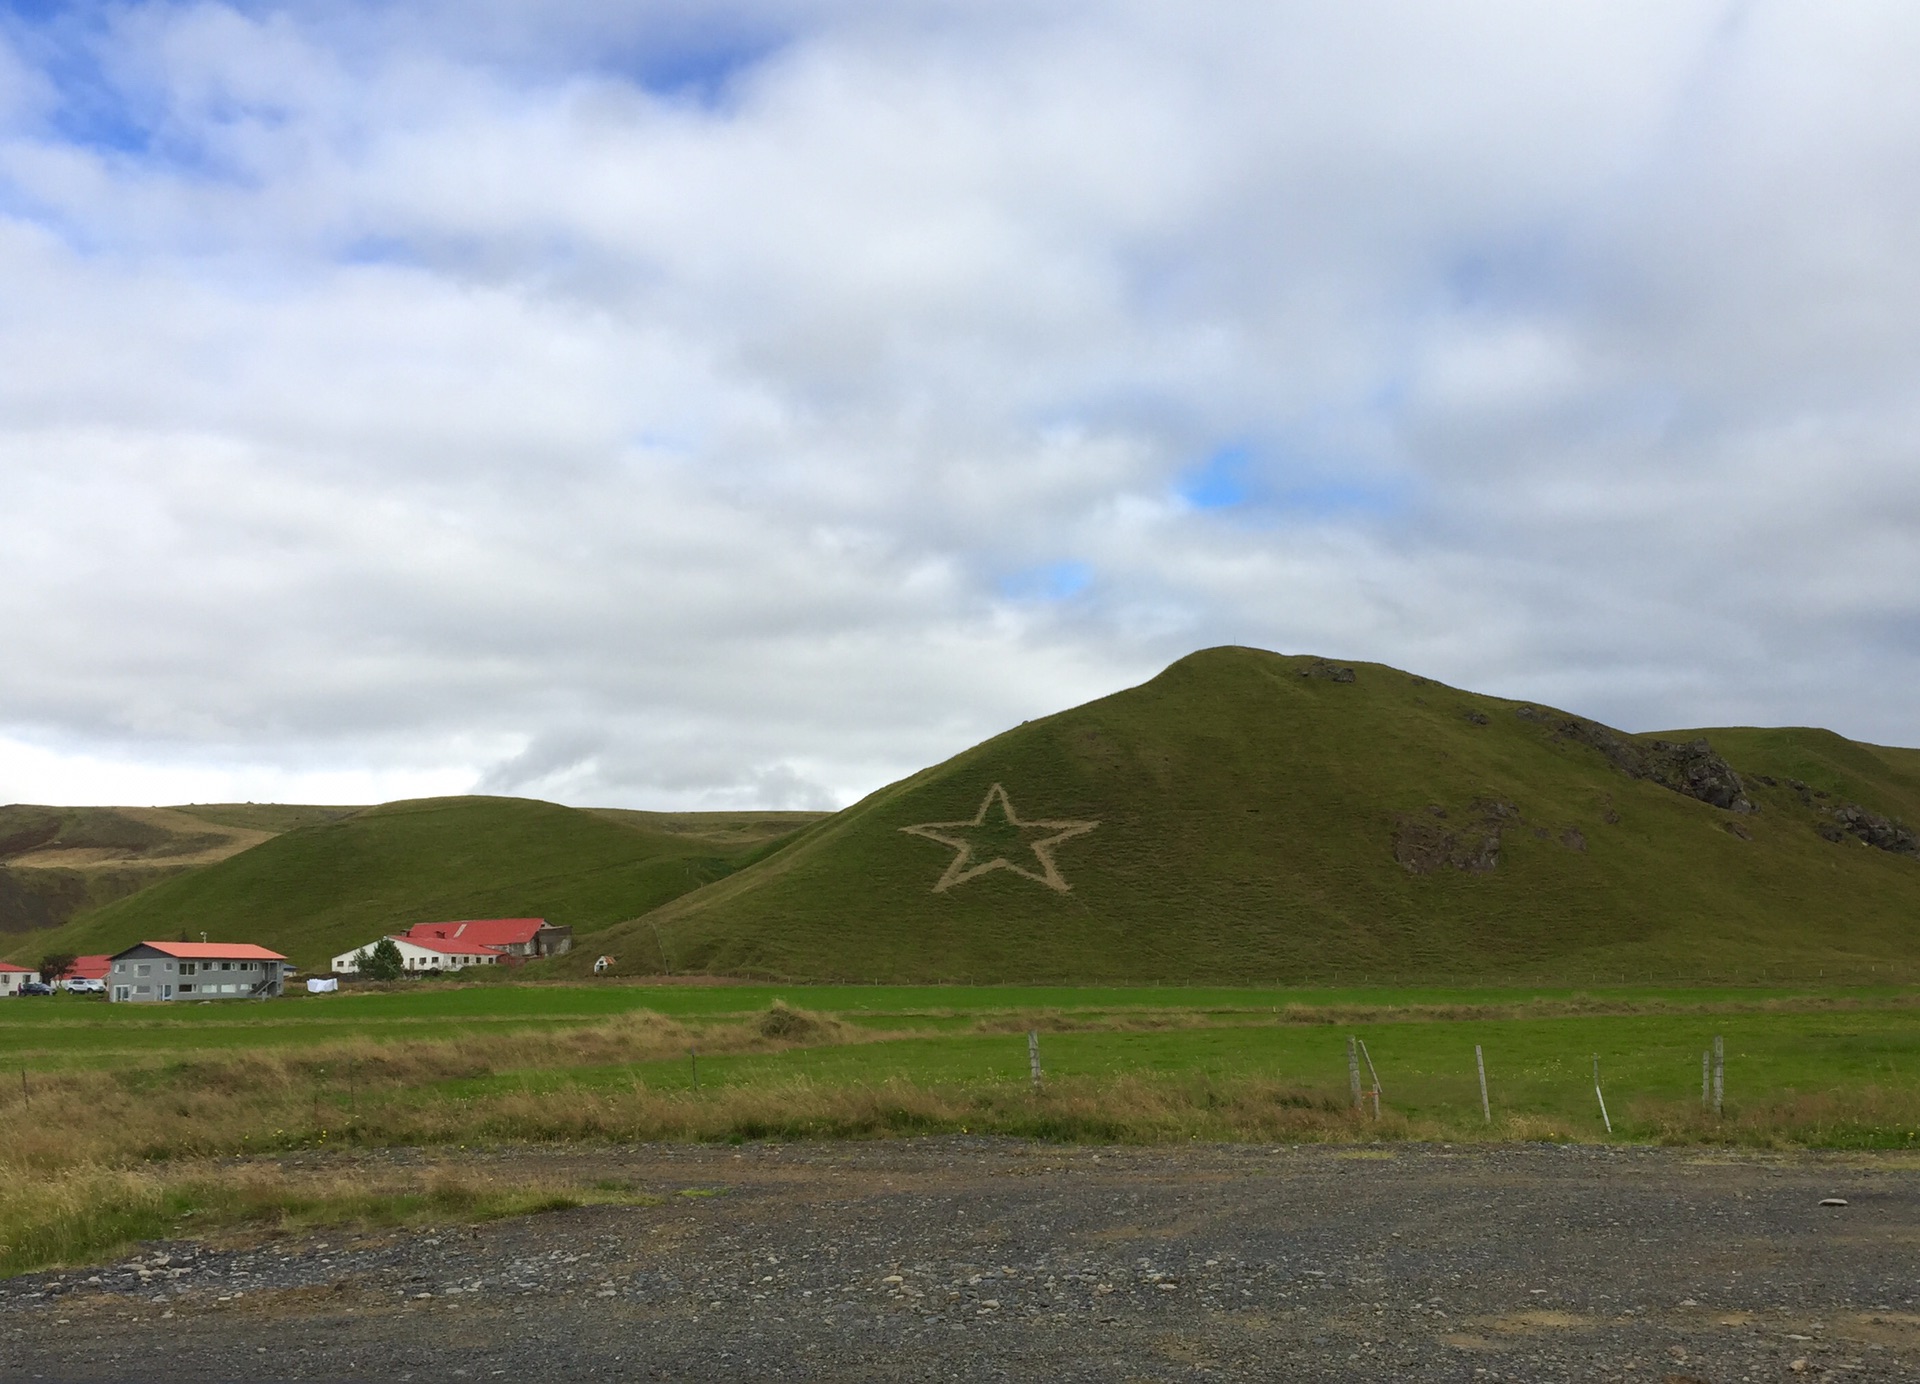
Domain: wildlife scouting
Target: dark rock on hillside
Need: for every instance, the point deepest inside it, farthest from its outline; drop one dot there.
(1884, 833)
(1332, 672)
(1424, 842)
(1690, 767)
(1694, 769)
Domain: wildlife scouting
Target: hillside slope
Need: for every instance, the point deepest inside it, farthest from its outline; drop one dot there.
(57, 862)
(322, 888)
(1250, 816)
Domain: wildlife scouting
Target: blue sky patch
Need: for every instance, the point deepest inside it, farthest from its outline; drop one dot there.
(1056, 581)
(1219, 482)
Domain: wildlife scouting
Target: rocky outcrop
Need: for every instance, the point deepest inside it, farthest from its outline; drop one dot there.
(1330, 672)
(1690, 767)
(1424, 842)
(1884, 833)
(1850, 819)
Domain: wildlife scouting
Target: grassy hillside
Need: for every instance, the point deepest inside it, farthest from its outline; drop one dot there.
(58, 862)
(1264, 818)
(321, 888)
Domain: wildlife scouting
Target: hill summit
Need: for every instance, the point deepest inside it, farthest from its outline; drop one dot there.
(1250, 816)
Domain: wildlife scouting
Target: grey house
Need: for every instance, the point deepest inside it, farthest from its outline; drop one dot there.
(160, 971)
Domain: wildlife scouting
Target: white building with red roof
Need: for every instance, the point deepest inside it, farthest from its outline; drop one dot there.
(472, 942)
(151, 972)
(12, 977)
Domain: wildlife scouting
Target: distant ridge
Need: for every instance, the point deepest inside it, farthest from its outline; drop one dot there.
(342, 880)
(1259, 817)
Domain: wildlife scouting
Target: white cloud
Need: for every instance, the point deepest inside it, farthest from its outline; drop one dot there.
(676, 410)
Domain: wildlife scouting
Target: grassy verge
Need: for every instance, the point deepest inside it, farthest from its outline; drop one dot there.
(92, 1212)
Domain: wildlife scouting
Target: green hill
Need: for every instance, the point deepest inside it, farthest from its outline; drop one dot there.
(57, 862)
(321, 888)
(1247, 816)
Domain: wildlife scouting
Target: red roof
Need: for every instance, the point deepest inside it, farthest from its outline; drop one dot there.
(478, 932)
(24, 970)
(90, 967)
(212, 951)
(448, 948)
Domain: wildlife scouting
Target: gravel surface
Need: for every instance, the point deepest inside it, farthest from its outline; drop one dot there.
(975, 1259)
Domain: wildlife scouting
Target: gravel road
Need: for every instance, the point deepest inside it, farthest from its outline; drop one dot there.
(973, 1259)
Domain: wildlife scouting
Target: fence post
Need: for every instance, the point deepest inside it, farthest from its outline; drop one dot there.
(693, 1059)
(1375, 1075)
(1719, 1072)
(1486, 1110)
(1353, 1069)
(1033, 1056)
(1598, 1096)
(1706, 1080)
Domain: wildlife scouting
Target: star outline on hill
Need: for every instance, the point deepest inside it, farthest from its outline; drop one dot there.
(960, 869)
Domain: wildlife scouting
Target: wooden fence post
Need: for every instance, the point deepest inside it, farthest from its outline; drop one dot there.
(1353, 1069)
(1719, 1072)
(1375, 1075)
(1706, 1079)
(1480, 1061)
(693, 1059)
(1033, 1056)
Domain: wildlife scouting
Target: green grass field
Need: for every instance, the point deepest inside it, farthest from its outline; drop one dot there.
(1785, 1045)
(117, 1122)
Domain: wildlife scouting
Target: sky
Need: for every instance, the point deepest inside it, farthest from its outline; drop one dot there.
(730, 404)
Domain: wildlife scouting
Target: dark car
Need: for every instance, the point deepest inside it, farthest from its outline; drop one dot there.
(35, 987)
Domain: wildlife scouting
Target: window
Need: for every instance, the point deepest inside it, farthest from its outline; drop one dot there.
(119, 968)
(186, 989)
(143, 971)
(187, 968)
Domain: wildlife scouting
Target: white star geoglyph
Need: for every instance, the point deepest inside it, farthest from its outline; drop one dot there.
(964, 865)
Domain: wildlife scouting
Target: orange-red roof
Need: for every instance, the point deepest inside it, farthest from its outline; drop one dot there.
(482, 932)
(212, 951)
(90, 967)
(24, 970)
(434, 944)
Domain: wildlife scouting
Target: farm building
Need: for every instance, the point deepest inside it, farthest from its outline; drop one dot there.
(12, 977)
(155, 971)
(90, 967)
(520, 938)
(475, 942)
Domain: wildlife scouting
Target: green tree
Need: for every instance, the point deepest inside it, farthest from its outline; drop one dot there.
(54, 965)
(383, 962)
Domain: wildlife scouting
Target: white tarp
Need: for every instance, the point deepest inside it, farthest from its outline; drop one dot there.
(317, 986)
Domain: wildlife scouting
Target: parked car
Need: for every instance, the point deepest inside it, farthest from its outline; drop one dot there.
(35, 987)
(83, 985)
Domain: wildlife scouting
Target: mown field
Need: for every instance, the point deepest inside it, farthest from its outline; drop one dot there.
(120, 1122)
